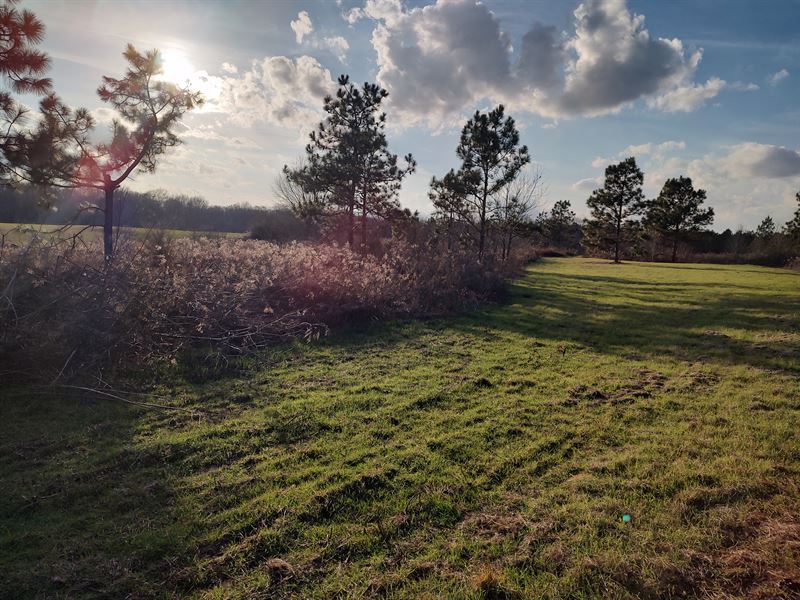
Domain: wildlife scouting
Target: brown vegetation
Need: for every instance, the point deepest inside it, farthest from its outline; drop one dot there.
(64, 311)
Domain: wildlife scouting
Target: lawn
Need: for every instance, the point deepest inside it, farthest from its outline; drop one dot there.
(491, 455)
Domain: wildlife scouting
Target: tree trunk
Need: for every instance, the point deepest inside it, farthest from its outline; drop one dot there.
(364, 221)
(108, 224)
(351, 225)
(482, 233)
(617, 240)
(674, 248)
(482, 239)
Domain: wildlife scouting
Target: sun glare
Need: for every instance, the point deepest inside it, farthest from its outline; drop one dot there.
(176, 66)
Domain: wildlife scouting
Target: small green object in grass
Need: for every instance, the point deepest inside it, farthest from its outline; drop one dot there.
(626, 518)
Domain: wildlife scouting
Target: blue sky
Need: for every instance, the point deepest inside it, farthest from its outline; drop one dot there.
(704, 88)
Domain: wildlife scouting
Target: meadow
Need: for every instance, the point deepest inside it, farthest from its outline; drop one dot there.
(609, 431)
(21, 233)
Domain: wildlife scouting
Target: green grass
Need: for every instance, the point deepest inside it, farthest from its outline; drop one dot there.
(485, 456)
(20, 233)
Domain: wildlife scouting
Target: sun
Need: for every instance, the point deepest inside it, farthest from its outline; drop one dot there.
(176, 67)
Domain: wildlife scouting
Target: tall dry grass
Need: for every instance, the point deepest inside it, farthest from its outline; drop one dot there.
(64, 313)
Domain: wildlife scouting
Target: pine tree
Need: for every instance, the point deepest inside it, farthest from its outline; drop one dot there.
(348, 164)
(491, 158)
(22, 68)
(613, 205)
(59, 152)
(677, 211)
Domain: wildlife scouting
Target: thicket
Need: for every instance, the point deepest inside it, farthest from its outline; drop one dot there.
(65, 313)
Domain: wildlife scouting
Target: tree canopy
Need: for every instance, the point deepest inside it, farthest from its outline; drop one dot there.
(22, 69)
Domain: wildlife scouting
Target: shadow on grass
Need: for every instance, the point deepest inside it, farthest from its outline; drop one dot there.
(86, 510)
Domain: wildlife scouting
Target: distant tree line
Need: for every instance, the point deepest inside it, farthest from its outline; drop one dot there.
(153, 209)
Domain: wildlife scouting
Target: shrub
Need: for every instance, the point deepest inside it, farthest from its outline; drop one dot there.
(64, 312)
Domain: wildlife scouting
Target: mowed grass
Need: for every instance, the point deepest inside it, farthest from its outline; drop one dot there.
(21, 233)
(491, 455)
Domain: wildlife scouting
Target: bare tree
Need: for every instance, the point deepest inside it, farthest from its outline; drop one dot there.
(513, 206)
(308, 204)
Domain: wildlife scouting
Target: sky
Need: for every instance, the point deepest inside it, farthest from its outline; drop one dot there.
(708, 89)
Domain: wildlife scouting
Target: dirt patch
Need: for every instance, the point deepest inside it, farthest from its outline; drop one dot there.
(644, 385)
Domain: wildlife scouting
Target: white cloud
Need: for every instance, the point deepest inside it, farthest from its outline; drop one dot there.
(745, 182)
(439, 60)
(337, 45)
(211, 133)
(776, 78)
(748, 160)
(615, 61)
(748, 181)
(741, 86)
(230, 68)
(656, 152)
(353, 15)
(302, 26)
(304, 30)
(279, 90)
(688, 98)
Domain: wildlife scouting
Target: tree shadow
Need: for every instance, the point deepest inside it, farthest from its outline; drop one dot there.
(88, 510)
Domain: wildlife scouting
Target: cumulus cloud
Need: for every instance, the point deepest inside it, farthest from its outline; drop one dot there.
(760, 160)
(302, 26)
(745, 181)
(230, 68)
(541, 57)
(277, 89)
(441, 59)
(776, 78)
(438, 59)
(748, 181)
(617, 61)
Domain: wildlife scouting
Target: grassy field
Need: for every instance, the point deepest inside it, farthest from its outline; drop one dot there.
(19, 233)
(492, 455)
